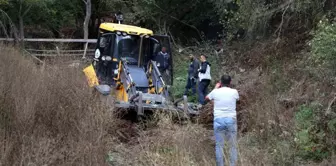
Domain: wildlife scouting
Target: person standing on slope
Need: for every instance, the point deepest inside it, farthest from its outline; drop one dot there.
(163, 63)
(225, 121)
(192, 75)
(162, 60)
(204, 78)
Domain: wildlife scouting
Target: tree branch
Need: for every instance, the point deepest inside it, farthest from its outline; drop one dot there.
(27, 10)
(12, 25)
(191, 26)
(331, 103)
(282, 21)
(20, 9)
(270, 12)
(4, 29)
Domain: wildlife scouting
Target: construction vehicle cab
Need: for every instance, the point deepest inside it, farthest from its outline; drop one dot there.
(138, 46)
(131, 64)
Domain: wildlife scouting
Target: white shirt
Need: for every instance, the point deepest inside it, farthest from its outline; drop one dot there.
(225, 100)
(205, 75)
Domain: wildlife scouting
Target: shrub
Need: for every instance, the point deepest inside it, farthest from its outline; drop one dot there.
(323, 44)
(315, 133)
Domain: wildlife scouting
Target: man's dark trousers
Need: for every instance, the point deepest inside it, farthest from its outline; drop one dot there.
(202, 90)
(191, 84)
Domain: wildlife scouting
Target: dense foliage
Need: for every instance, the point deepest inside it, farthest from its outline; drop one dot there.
(185, 20)
(323, 43)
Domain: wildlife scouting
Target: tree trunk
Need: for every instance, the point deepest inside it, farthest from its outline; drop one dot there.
(87, 18)
(92, 26)
(21, 27)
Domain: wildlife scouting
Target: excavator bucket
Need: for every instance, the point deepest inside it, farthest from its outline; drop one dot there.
(91, 76)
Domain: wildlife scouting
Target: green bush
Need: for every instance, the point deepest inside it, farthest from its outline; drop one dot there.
(180, 75)
(314, 134)
(323, 44)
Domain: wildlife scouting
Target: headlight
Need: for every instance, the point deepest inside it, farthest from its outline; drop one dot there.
(97, 53)
(118, 33)
(103, 58)
(108, 58)
(124, 33)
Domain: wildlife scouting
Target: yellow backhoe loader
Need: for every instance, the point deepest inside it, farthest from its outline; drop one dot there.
(136, 68)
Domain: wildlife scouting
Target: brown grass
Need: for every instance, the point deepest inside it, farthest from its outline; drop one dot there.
(49, 115)
(171, 144)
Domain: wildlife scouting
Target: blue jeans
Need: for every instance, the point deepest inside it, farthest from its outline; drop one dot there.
(202, 90)
(225, 131)
(190, 85)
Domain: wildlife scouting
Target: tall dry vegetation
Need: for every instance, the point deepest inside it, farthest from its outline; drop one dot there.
(48, 116)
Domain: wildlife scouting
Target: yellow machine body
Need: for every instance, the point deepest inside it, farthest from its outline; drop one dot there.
(130, 29)
(108, 46)
(91, 76)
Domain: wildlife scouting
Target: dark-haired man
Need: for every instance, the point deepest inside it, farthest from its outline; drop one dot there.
(225, 121)
(162, 59)
(163, 63)
(192, 75)
(204, 78)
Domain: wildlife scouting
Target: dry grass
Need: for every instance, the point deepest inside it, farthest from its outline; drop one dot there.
(168, 144)
(49, 115)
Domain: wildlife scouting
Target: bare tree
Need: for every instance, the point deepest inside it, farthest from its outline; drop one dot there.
(86, 23)
(87, 18)
(12, 29)
(21, 15)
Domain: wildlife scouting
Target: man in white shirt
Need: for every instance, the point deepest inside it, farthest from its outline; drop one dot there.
(225, 121)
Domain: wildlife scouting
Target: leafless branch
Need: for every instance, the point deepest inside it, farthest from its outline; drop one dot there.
(12, 25)
(4, 29)
(191, 26)
(323, 3)
(331, 103)
(27, 10)
(271, 12)
(20, 9)
(282, 20)
(172, 38)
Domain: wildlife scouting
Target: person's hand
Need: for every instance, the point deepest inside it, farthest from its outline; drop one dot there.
(218, 85)
(193, 79)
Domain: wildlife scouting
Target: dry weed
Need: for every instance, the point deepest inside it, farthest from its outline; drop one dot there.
(49, 115)
(169, 144)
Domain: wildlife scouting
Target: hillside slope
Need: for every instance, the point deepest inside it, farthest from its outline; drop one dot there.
(50, 116)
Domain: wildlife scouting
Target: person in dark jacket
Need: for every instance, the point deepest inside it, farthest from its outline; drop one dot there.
(162, 59)
(163, 63)
(192, 75)
(204, 78)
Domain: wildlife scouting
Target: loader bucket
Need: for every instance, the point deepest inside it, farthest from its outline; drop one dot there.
(91, 76)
